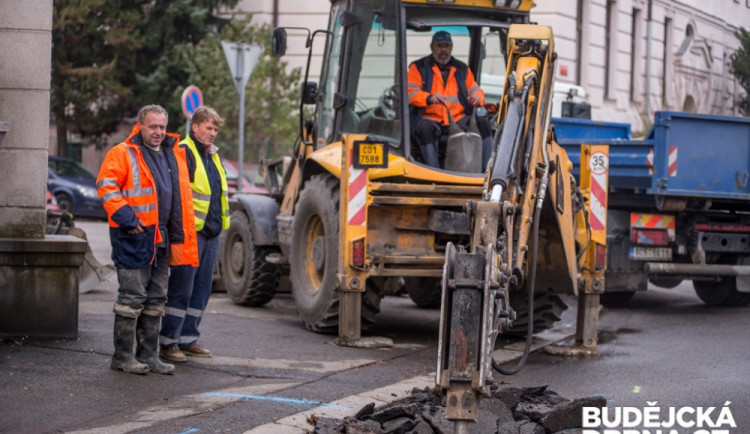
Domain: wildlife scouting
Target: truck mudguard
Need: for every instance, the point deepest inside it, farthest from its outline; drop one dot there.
(262, 211)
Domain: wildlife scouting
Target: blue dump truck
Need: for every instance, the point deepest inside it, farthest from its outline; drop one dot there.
(678, 205)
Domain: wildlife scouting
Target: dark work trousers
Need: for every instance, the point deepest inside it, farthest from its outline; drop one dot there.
(433, 151)
(189, 290)
(143, 288)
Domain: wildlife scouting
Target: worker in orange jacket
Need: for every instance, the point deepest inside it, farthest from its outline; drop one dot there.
(438, 83)
(144, 186)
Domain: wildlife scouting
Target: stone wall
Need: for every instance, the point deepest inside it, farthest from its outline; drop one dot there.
(25, 70)
(38, 274)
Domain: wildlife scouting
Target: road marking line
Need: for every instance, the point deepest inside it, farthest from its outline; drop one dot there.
(320, 367)
(268, 398)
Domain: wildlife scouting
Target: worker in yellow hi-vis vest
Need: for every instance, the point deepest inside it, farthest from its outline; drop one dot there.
(190, 288)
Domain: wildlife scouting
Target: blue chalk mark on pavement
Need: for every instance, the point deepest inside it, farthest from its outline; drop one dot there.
(269, 398)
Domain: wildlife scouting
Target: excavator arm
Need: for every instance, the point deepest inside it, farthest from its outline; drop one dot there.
(479, 286)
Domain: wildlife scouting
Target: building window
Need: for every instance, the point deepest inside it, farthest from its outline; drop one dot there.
(579, 42)
(667, 61)
(636, 30)
(689, 36)
(610, 49)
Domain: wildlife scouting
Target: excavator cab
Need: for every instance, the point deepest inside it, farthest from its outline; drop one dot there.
(369, 46)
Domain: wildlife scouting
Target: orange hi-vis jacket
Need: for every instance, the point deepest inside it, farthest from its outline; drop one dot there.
(459, 85)
(128, 193)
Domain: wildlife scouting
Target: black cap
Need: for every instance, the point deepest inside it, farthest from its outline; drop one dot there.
(441, 36)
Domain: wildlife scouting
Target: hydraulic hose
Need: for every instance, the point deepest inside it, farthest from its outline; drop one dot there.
(534, 246)
(531, 282)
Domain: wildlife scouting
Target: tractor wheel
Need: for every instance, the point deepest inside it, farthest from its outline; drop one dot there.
(721, 293)
(245, 274)
(423, 291)
(616, 298)
(548, 309)
(314, 258)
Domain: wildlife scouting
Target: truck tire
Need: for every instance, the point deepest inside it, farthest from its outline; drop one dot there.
(424, 291)
(721, 293)
(314, 258)
(665, 282)
(245, 274)
(548, 309)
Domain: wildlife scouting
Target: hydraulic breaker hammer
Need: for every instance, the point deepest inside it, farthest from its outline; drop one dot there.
(477, 284)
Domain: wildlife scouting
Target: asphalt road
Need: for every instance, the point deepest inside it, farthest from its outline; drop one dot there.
(664, 346)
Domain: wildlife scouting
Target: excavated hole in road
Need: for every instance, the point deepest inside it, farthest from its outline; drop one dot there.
(531, 410)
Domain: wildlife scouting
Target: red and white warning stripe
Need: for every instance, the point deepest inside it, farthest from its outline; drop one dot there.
(357, 206)
(672, 162)
(598, 164)
(651, 221)
(650, 161)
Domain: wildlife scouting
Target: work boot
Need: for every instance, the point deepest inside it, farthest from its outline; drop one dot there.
(124, 359)
(173, 354)
(148, 343)
(196, 350)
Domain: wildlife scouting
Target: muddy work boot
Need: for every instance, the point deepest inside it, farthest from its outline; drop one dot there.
(148, 344)
(124, 359)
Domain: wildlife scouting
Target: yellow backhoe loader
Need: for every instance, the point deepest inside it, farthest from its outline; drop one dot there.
(355, 214)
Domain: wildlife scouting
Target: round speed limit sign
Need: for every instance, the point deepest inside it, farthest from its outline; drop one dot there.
(598, 163)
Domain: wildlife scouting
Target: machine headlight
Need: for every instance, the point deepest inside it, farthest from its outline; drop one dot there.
(513, 4)
(88, 192)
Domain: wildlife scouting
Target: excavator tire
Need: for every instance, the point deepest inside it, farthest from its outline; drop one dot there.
(245, 274)
(548, 309)
(314, 258)
(423, 291)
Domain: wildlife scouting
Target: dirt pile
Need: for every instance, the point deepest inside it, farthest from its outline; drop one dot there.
(509, 410)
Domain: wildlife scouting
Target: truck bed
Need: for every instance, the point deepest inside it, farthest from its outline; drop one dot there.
(684, 155)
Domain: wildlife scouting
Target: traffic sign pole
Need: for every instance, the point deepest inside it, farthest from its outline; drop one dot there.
(240, 144)
(242, 59)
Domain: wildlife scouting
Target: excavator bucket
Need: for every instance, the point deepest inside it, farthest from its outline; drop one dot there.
(91, 272)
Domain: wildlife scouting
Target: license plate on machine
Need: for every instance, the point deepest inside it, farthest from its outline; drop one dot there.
(368, 154)
(650, 253)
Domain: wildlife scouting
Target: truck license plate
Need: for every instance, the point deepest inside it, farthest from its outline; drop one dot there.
(650, 253)
(367, 155)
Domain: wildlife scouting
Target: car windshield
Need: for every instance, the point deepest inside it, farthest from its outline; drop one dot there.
(70, 169)
(249, 172)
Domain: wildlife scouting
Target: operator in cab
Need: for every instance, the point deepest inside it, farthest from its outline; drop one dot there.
(438, 83)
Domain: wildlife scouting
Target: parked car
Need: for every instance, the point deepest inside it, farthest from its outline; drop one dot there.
(253, 182)
(74, 188)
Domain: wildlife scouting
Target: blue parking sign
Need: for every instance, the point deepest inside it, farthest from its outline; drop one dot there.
(192, 98)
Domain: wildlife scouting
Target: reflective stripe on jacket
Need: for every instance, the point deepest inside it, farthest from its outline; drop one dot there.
(128, 193)
(459, 85)
(202, 188)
